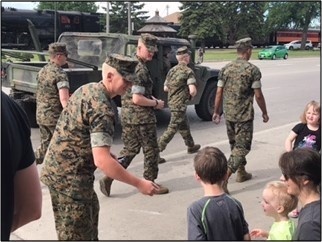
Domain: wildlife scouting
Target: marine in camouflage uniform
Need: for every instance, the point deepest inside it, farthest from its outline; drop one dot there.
(138, 119)
(179, 81)
(52, 95)
(238, 82)
(85, 129)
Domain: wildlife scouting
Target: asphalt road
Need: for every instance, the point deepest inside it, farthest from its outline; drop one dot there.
(127, 215)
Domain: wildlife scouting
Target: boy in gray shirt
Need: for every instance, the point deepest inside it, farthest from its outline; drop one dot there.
(216, 216)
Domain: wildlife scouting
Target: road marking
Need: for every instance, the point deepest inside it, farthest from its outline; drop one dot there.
(145, 211)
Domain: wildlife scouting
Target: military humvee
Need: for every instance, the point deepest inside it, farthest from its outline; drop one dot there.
(87, 52)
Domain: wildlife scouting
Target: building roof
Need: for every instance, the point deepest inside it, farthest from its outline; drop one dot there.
(158, 26)
(174, 17)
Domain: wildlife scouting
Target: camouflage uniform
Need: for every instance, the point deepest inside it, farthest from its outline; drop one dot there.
(139, 125)
(177, 81)
(239, 79)
(50, 79)
(85, 123)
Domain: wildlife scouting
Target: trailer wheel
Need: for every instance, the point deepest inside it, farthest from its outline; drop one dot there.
(30, 109)
(205, 107)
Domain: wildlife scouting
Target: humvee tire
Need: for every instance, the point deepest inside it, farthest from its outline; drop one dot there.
(205, 108)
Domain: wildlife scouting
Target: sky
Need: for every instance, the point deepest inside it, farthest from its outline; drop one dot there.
(151, 7)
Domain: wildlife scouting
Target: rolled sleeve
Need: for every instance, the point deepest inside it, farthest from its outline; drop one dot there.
(138, 90)
(100, 139)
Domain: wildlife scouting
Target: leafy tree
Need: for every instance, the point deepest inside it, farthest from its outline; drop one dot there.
(89, 7)
(293, 15)
(224, 22)
(119, 16)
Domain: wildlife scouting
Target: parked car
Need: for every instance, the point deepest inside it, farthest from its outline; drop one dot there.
(296, 45)
(273, 52)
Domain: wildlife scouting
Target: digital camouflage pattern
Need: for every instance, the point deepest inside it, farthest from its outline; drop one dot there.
(135, 114)
(46, 133)
(240, 135)
(55, 48)
(139, 124)
(50, 79)
(178, 123)
(136, 136)
(183, 50)
(177, 81)
(150, 41)
(238, 79)
(75, 220)
(124, 65)
(86, 122)
(244, 43)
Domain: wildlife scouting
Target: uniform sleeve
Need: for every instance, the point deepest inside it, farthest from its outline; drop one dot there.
(191, 78)
(101, 122)
(257, 75)
(221, 81)
(62, 79)
(138, 85)
(195, 229)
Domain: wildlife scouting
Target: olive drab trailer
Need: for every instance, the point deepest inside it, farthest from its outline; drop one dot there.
(87, 52)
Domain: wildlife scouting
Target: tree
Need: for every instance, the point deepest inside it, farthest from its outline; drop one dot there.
(119, 16)
(293, 15)
(223, 21)
(89, 7)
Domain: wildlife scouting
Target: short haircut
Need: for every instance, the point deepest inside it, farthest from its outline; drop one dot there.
(210, 165)
(279, 189)
(302, 162)
(316, 108)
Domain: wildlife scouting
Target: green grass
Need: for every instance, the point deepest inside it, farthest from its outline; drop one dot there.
(230, 54)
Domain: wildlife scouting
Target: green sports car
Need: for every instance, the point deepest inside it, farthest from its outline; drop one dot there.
(272, 52)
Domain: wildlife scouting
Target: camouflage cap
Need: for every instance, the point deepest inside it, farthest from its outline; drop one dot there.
(150, 41)
(183, 50)
(245, 43)
(55, 48)
(125, 65)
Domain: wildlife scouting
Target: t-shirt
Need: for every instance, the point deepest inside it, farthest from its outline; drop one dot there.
(307, 138)
(216, 218)
(309, 223)
(282, 230)
(16, 154)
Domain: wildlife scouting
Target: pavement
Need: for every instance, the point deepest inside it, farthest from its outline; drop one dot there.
(129, 215)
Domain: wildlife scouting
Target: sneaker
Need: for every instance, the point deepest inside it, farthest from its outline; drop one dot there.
(161, 160)
(161, 190)
(193, 149)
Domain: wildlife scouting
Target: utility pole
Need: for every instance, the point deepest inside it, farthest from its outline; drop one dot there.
(129, 25)
(107, 17)
(167, 7)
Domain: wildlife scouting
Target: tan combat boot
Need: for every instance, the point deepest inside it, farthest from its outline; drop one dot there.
(242, 174)
(105, 185)
(229, 172)
(161, 160)
(193, 149)
(161, 190)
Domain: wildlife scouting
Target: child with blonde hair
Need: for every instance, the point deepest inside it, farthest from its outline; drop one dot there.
(306, 134)
(277, 203)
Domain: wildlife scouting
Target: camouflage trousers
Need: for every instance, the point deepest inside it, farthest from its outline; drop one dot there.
(178, 123)
(75, 219)
(142, 135)
(240, 135)
(46, 133)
